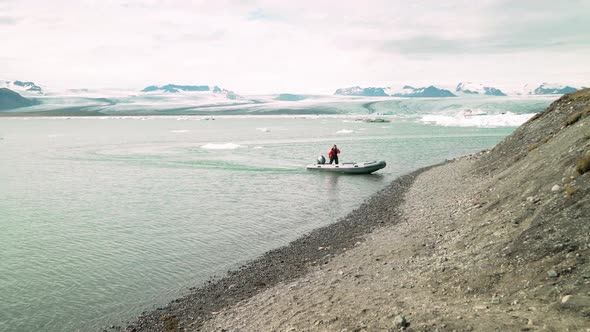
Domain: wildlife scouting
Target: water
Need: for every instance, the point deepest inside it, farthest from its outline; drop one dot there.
(103, 218)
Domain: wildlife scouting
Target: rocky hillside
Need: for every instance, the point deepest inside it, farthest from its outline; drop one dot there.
(541, 197)
(11, 100)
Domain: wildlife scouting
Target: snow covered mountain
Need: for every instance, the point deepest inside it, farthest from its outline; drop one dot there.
(424, 92)
(406, 91)
(175, 88)
(20, 86)
(553, 89)
(358, 91)
(478, 89)
(463, 88)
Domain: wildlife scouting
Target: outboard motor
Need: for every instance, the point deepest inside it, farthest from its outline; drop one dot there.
(321, 160)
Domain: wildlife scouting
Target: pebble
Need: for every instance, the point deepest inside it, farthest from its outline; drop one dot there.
(576, 302)
(555, 188)
(400, 321)
(552, 274)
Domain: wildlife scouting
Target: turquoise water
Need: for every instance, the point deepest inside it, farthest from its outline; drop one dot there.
(103, 218)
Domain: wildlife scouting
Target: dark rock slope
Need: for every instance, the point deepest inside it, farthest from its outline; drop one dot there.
(540, 198)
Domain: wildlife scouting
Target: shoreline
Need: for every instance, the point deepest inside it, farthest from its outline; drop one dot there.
(283, 264)
(384, 282)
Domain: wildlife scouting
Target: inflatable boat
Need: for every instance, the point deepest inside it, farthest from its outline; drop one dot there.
(349, 168)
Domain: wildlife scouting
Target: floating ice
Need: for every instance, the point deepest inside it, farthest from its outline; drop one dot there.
(265, 130)
(224, 146)
(179, 131)
(461, 119)
(344, 131)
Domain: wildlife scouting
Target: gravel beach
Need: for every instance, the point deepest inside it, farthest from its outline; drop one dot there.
(282, 265)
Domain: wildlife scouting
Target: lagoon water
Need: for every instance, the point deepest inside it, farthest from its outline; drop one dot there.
(103, 218)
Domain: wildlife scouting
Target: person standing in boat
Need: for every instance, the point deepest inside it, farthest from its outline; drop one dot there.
(333, 154)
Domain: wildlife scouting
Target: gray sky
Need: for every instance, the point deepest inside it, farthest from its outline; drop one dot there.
(252, 46)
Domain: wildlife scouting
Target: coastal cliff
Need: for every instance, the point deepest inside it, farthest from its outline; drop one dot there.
(497, 240)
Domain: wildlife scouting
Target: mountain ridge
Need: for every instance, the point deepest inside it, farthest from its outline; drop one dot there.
(21, 86)
(407, 91)
(177, 88)
(471, 88)
(11, 100)
(467, 88)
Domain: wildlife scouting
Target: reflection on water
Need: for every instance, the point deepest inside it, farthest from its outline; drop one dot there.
(330, 181)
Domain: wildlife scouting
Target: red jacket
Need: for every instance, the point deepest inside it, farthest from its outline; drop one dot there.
(332, 152)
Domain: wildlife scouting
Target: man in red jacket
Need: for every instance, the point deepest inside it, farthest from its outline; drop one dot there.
(333, 154)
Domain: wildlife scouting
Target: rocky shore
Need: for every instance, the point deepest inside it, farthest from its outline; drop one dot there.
(281, 265)
(496, 241)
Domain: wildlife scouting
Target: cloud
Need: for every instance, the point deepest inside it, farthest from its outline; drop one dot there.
(260, 14)
(495, 27)
(302, 46)
(215, 36)
(7, 20)
(425, 45)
